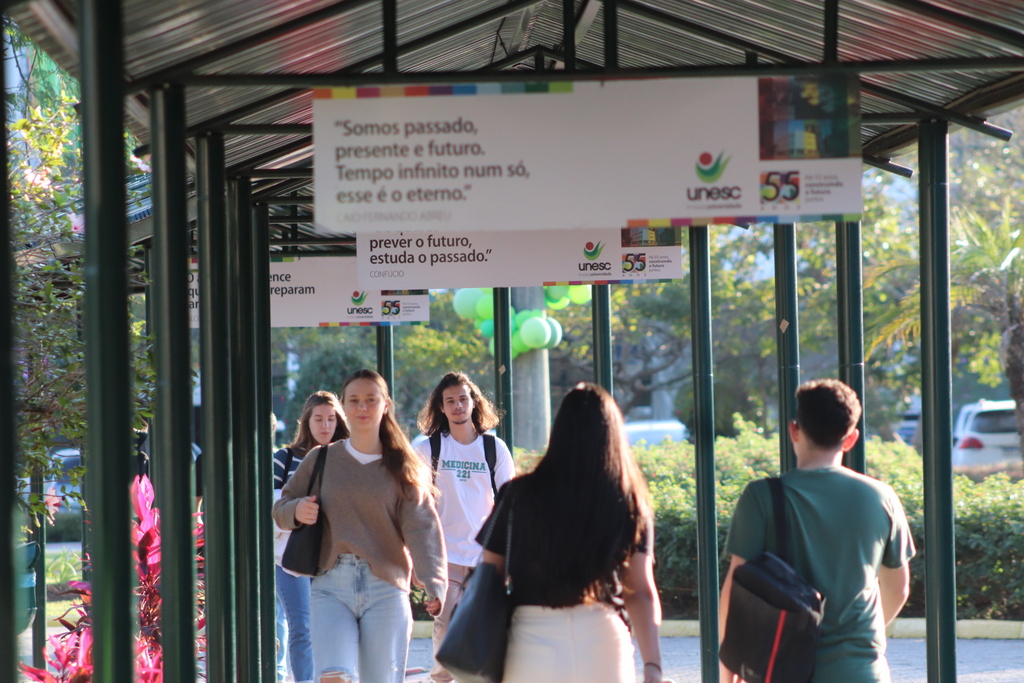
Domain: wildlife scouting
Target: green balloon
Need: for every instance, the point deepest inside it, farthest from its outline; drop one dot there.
(490, 346)
(485, 308)
(520, 318)
(518, 345)
(556, 292)
(487, 291)
(559, 305)
(465, 302)
(535, 333)
(580, 294)
(487, 328)
(556, 333)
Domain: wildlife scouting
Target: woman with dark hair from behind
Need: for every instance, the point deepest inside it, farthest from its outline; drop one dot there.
(321, 423)
(581, 556)
(377, 504)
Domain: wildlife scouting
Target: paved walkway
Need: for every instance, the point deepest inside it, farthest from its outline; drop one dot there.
(978, 661)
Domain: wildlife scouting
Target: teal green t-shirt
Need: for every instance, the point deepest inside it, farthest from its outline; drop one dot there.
(842, 527)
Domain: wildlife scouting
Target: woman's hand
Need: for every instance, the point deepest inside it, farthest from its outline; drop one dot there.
(306, 510)
(652, 673)
(433, 606)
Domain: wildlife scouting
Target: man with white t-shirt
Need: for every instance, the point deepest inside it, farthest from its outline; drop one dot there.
(469, 467)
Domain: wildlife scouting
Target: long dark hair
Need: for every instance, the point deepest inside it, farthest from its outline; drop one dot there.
(585, 506)
(399, 458)
(303, 439)
(432, 420)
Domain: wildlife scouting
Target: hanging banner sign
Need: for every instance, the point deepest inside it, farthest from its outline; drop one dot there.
(324, 292)
(503, 157)
(519, 259)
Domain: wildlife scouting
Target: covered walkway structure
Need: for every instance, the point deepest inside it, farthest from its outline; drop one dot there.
(219, 90)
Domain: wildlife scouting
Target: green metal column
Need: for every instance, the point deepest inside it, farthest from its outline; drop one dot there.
(264, 440)
(215, 368)
(704, 433)
(386, 356)
(503, 361)
(107, 351)
(936, 403)
(38, 526)
(245, 424)
(8, 438)
(787, 337)
(172, 423)
(601, 311)
(850, 291)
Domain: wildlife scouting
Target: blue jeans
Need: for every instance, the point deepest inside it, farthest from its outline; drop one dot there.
(360, 624)
(281, 632)
(293, 596)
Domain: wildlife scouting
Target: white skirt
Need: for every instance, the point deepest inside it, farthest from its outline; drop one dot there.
(582, 644)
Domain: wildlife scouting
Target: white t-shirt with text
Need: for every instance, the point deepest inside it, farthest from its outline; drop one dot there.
(466, 495)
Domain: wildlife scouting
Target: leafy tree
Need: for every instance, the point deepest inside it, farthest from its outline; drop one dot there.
(45, 186)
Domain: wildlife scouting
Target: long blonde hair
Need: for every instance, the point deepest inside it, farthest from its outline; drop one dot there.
(399, 458)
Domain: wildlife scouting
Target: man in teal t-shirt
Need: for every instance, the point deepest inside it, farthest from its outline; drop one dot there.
(848, 537)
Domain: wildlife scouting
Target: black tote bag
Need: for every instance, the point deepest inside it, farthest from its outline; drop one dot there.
(302, 553)
(474, 647)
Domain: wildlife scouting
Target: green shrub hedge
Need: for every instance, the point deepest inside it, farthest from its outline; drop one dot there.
(989, 520)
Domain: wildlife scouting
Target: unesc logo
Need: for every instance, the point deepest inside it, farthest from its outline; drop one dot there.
(709, 170)
(358, 298)
(592, 252)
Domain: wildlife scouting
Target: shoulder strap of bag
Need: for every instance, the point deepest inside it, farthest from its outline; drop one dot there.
(779, 513)
(286, 475)
(318, 471)
(435, 451)
(491, 455)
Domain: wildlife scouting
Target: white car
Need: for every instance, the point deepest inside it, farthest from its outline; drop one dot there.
(656, 431)
(985, 433)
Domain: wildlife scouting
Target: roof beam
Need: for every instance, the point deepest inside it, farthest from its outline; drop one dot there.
(886, 165)
(232, 49)
(338, 80)
(831, 24)
(513, 59)
(281, 173)
(272, 155)
(935, 111)
(990, 30)
(267, 129)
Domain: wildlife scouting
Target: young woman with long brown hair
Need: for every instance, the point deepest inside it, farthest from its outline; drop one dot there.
(321, 423)
(378, 506)
(581, 553)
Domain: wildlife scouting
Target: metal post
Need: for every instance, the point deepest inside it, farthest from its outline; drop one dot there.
(936, 403)
(8, 440)
(386, 356)
(264, 440)
(787, 337)
(569, 34)
(850, 289)
(172, 424)
(389, 11)
(503, 361)
(245, 423)
(704, 433)
(611, 35)
(39, 536)
(601, 311)
(215, 359)
(107, 351)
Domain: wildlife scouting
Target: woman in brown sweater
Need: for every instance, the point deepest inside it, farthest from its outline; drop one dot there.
(377, 504)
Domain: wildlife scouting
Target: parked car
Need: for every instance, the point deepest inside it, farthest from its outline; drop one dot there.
(985, 433)
(656, 431)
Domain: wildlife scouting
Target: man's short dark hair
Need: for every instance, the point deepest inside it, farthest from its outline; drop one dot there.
(826, 411)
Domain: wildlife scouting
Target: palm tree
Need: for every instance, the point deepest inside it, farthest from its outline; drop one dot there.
(986, 293)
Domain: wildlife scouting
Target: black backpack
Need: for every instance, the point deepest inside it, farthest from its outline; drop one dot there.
(774, 620)
(490, 455)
